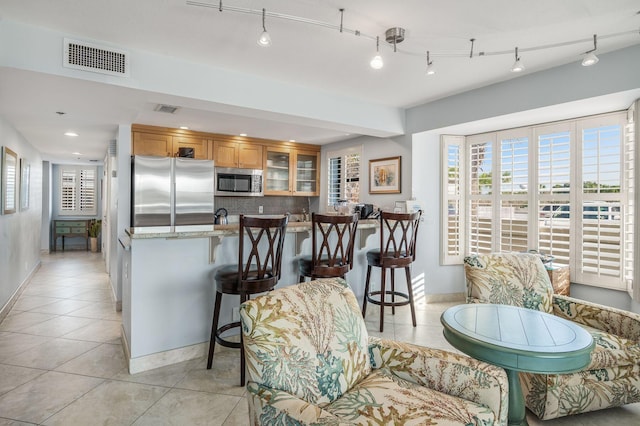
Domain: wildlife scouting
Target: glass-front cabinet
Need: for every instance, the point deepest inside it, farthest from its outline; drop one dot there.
(277, 168)
(289, 171)
(307, 165)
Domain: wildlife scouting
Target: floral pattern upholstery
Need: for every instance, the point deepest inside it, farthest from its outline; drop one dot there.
(613, 375)
(310, 361)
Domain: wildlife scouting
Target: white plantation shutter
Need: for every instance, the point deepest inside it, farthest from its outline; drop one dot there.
(480, 211)
(554, 178)
(600, 248)
(343, 176)
(566, 189)
(68, 191)
(627, 213)
(87, 189)
(514, 186)
(452, 214)
(78, 190)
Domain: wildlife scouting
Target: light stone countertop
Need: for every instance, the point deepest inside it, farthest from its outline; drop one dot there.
(206, 231)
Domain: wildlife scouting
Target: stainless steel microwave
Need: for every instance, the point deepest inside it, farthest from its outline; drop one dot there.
(238, 182)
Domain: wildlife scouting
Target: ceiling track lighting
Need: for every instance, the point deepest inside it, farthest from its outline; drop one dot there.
(518, 66)
(377, 62)
(264, 40)
(396, 35)
(591, 58)
(431, 70)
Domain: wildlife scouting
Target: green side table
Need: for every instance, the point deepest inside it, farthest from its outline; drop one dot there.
(517, 339)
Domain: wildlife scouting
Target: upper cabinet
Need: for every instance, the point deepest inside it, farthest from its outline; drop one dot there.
(200, 146)
(277, 171)
(152, 144)
(307, 173)
(290, 171)
(289, 168)
(237, 154)
(164, 145)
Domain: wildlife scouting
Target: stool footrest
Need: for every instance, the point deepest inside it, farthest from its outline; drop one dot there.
(227, 343)
(379, 302)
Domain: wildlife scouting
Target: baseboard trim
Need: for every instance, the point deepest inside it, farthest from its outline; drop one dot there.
(445, 297)
(161, 359)
(14, 298)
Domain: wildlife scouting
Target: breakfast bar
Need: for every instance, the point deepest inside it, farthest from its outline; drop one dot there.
(168, 290)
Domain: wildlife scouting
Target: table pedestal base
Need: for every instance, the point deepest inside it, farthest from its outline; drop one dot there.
(517, 411)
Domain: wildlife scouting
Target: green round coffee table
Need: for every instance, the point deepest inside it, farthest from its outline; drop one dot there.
(517, 339)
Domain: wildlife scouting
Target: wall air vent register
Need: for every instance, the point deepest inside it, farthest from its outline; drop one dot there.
(95, 58)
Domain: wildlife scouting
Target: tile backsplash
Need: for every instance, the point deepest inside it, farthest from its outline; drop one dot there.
(270, 204)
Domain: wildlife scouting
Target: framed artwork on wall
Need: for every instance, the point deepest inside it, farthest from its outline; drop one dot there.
(9, 181)
(385, 176)
(25, 176)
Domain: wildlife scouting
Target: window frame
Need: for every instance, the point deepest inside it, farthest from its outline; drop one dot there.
(79, 191)
(343, 153)
(533, 196)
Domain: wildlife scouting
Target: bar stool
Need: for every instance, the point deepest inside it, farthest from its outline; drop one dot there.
(398, 232)
(260, 273)
(332, 254)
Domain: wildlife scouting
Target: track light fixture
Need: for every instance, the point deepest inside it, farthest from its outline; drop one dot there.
(518, 66)
(377, 62)
(395, 35)
(591, 58)
(431, 70)
(264, 40)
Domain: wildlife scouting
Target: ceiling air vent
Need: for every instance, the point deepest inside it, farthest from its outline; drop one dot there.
(169, 109)
(85, 56)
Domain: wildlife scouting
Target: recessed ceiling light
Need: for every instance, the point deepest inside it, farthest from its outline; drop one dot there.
(184, 127)
(73, 134)
(76, 153)
(292, 140)
(243, 134)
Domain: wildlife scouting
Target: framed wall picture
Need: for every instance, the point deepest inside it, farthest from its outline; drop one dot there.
(384, 176)
(25, 176)
(9, 181)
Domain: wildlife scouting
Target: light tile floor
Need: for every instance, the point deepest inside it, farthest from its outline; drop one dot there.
(61, 360)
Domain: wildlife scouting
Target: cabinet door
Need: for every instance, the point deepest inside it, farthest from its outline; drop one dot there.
(225, 154)
(200, 146)
(249, 156)
(306, 173)
(152, 144)
(277, 172)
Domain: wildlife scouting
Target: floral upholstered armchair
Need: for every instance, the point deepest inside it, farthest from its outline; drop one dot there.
(613, 376)
(310, 362)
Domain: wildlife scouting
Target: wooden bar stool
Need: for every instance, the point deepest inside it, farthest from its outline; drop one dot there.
(333, 238)
(258, 274)
(398, 232)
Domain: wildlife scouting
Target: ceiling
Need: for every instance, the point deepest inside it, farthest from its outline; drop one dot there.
(302, 56)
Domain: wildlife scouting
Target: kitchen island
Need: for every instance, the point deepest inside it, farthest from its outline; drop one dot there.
(168, 288)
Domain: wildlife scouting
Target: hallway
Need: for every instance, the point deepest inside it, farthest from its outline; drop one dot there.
(61, 360)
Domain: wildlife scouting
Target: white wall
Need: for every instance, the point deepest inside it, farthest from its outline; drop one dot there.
(20, 231)
(372, 148)
(426, 174)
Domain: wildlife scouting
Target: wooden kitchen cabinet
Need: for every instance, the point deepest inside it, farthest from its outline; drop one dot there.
(163, 145)
(277, 171)
(152, 144)
(289, 171)
(200, 146)
(237, 154)
(306, 173)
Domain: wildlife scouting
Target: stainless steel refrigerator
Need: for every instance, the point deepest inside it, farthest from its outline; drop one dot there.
(171, 191)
